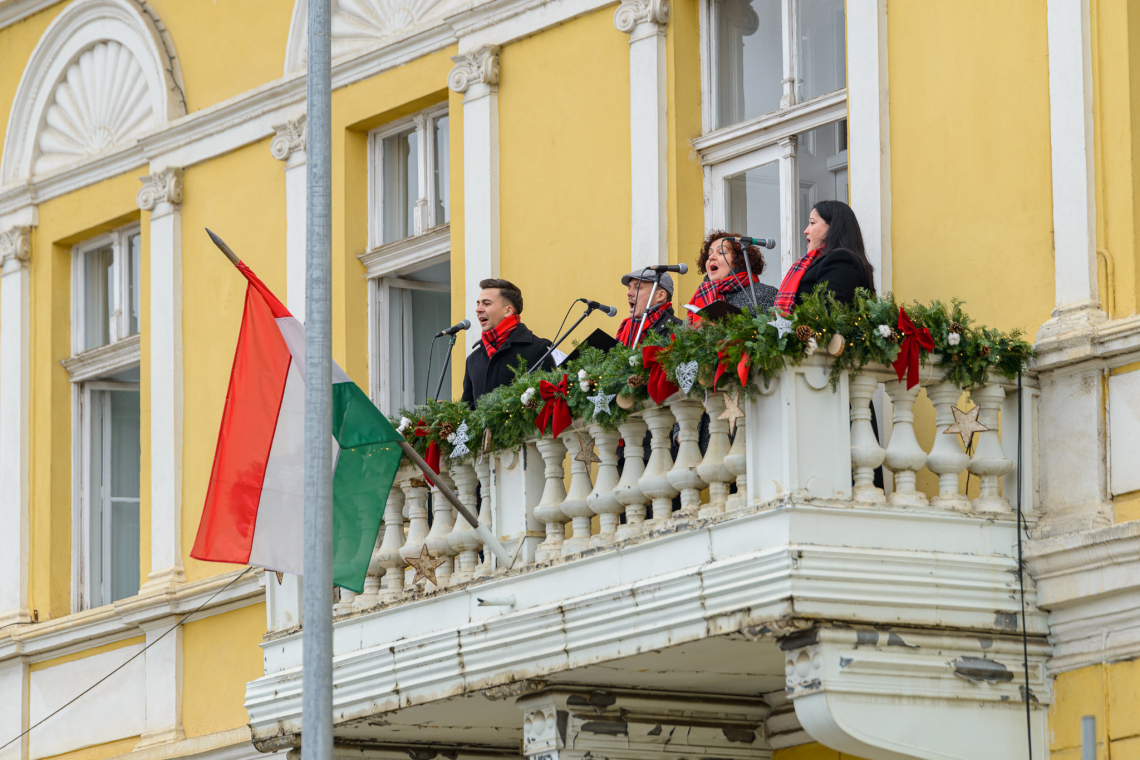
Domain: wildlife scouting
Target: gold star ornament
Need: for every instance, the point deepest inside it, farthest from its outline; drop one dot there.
(586, 454)
(965, 425)
(425, 566)
(732, 411)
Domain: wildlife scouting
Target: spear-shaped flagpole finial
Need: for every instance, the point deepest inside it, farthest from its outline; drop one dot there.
(223, 247)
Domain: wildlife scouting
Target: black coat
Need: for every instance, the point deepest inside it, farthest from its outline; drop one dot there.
(661, 327)
(485, 374)
(841, 271)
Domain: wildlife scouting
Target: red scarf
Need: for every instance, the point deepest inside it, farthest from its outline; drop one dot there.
(628, 329)
(710, 292)
(494, 338)
(786, 298)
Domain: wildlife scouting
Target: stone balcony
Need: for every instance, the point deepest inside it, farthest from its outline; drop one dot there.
(788, 599)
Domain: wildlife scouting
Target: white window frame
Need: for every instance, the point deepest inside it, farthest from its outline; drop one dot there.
(423, 218)
(86, 370)
(730, 150)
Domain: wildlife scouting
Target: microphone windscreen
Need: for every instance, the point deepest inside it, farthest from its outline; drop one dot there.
(682, 268)
(466, 324)
(611, 310)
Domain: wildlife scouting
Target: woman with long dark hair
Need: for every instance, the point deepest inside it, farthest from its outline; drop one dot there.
(835, 256)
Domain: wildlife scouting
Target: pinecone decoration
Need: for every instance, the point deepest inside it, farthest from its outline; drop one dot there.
(445, 430)
(804, 333)
(532, 404)
(636, 381)
(956, 327)
(984, 352)
(896, 336)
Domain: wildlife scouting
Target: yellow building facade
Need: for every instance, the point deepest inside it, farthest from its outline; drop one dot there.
(989, 150)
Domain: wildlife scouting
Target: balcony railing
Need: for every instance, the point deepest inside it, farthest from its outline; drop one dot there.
(797, 437)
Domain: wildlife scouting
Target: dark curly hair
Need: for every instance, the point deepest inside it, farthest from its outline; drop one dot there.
(508, 291)
(755, 258)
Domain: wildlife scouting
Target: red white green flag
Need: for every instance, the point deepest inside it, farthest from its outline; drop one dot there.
(254, 511)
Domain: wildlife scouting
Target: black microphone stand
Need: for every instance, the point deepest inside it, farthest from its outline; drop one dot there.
(565, 335)
(446, 362)
(751, 282)
(648, 306)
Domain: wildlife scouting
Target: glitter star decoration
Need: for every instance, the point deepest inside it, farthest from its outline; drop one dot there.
(783, 326)
(586, 454)
(601, 402)
(732, 411)
(460, 443)
(965, 425)
(425, 566)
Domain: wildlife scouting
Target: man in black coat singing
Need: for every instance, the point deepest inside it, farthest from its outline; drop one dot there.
(504, 339)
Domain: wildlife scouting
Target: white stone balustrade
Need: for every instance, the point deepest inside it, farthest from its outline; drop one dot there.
(483, 475)
(576, 505)
(603, 499)
(549, 509)
(462, 537)
(989, 462)
(371, 593)
(443, 520)
(904, 456)
(947, 459)
(389, 557)
(683, 476)
(712, 469)
(866, 453)
(736, 462)
(628, 490)
(654, 482)
(416, 496)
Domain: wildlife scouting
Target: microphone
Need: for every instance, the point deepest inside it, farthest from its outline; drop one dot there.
(464, 325)
(759, 242)
(678, 268)
(609, 310)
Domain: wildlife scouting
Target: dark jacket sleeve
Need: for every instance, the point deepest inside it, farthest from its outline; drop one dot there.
(468, 391)
(843, 274)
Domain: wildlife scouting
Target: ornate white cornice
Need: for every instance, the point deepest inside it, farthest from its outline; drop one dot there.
(15, 246)
(633, 12)
(480, 66)
(161, 187)
(290, 137)
(103, 360)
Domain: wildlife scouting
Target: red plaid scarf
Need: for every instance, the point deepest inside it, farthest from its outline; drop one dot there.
(786, 298)
(494, 338)
(710, 291)
(628, 329)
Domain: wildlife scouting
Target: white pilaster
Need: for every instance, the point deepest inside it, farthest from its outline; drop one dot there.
(163, 682)
(161, 195)
(14, 715)
(476, 77)
(869, 155)
(289, 145)
(644, 21)
(1071, 135)
(15, 255)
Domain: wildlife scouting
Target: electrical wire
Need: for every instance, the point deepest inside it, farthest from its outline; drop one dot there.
(1021, 577)
(132, 657)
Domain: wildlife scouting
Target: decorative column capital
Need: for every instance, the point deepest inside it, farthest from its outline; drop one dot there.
(15, 246)
(291, 137)
(633, 12)
(161, 187)
(480, 66)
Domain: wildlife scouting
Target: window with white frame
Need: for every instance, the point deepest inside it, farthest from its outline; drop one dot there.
(104, 369)
(775, 117)
(408, 263)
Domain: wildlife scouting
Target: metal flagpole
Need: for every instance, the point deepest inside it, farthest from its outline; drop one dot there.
(316, 697)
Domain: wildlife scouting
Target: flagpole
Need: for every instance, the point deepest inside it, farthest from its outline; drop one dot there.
(316, 653)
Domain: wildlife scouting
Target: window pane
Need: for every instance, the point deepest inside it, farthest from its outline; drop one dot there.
(134, 254)
(124, 494)
(748, 48)
(753, 208)
(821, 160)
(97, 299)
(431, 313)
(396, 348)
(95, 497)
(401, 184)
(442, 171)
(822, 49)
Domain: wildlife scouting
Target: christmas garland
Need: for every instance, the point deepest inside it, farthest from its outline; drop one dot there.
(603, 388)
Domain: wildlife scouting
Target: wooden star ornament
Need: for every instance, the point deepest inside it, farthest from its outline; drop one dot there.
(425, 566)
(732, 411)
(965, 425)
(586, 454)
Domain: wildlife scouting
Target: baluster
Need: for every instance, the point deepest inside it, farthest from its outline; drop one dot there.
(655, 482)
(904, 456)
(548, 509)
(736, 462)
(946, 459)
(576, 505)
(866, 453)
(371, 594)
(603, 499)
(712, 468)
(416, 500)
(462, 538)
(990, 462)
(483, 473)
(344, 605)
(628, 491)
(389, 555)
(684, 476)
(443, 520)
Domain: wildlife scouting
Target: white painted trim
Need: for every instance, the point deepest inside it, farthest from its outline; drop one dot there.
(15, 11)
(81, 25)
(422, 124)
(763, 130)
(290, 145)
(97, 362)
(408, 255)
(163, 660)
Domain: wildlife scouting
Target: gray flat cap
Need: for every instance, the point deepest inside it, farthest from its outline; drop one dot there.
(664, 281)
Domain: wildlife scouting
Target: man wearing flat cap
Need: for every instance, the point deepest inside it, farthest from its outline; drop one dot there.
(639, 284)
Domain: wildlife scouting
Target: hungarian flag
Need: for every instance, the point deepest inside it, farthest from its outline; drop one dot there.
(254, 513)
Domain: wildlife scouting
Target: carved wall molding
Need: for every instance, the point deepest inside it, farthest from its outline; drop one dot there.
(290, 137)
(16, 246)
(480, 66)
(161, 187)
(633, 12)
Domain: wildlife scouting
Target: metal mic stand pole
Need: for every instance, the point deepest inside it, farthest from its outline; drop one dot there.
(557, 343)
(446, 362)
(751, 284)
(645, 311)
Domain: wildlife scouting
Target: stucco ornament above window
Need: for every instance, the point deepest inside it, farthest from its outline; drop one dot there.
(103, 73)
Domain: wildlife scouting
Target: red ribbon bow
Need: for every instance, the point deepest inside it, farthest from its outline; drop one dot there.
(913, 341)
(659, 385)
(555, 410)
(722, 367)
(431, 456)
